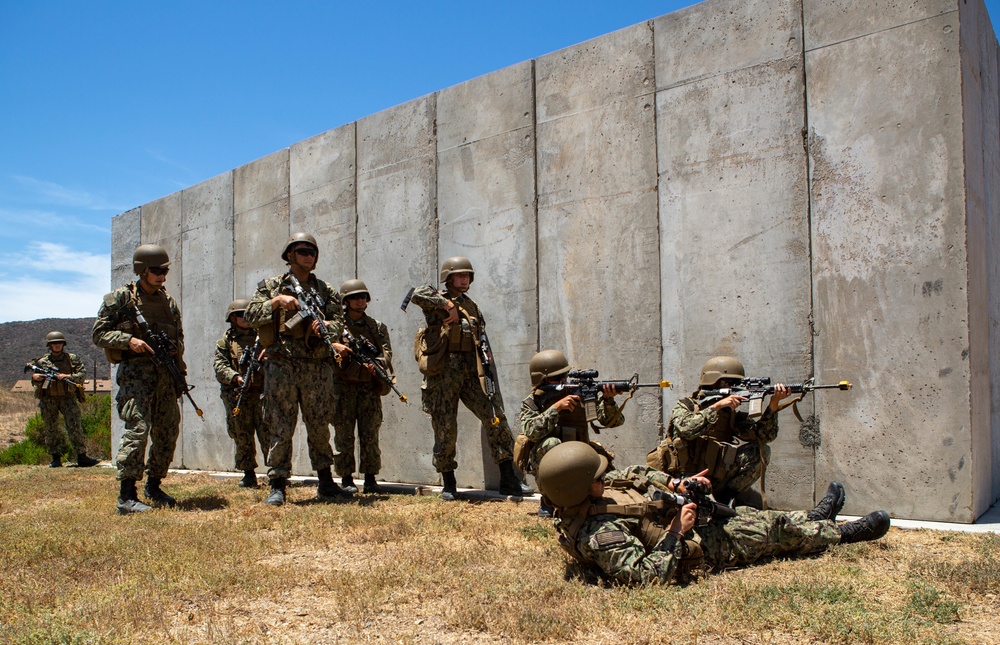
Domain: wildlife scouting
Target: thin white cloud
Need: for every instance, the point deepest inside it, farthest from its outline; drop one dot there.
(18, 223)
(52, 193)
(169, 162)
(52, 281)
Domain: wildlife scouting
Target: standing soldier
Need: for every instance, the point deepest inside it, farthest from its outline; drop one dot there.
(63, 393)
(701, 435)
(358, 392)
(243, 390)
(147, 394)
(451, 363)
(298, 371)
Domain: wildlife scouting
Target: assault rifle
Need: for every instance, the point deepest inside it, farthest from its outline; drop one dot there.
(162, 348)
(249, 364)
(756, 388)
(50, 374)
(310, 310)
(697, 493)
(584, 384)
(490, 386)
(365, 353)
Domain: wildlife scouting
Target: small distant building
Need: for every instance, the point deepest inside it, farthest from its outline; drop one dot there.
(103, 386)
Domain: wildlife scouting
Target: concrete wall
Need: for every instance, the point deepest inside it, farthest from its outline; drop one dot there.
(810, 185)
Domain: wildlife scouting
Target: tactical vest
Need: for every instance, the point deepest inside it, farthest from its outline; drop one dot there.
(572, 426)
(464, 334)
(354, 371)
(290, 324)
(155, 308)
(57, 389)
(715, 450)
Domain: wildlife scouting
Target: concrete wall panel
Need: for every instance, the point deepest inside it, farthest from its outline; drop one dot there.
(597, 219)
(890, 268)
(732, 193)
(829, 22)
(208, 285)
(991, 168)
(486, 212)
(713, 38)
(125, 237)
(397, 248)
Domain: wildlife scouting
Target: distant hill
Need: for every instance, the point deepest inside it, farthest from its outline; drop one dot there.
(21, 342)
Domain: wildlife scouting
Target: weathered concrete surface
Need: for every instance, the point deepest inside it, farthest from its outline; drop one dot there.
(322, 184)
(260, 226)
(890, 269)
(486, 194)
(208, 285)
(125, 237)
(991, 178)
(734, 231)
(829, 22)
(396, 248)
(598, 261)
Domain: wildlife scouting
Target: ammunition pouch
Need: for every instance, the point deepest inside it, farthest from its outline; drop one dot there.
(430, 349)
(692, 562)
(522, 452)
(296, 326)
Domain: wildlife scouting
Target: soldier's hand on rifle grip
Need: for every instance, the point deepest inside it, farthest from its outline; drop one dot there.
(731, 401)
(610, 391)
(684, 519)
(342, 349)
(286, 302)
(139, 346)
(567, 403)
(238, 381)
(38, 378)
(781, 391)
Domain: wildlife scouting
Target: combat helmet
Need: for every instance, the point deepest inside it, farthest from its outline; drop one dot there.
(457, 264)
(720, 367)
(237, 306)
(54, 337)
(567, 471)
(295, 239)
(547, 363)
(353, 288)
(149, 255)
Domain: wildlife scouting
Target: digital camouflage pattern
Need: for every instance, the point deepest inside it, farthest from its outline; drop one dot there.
(613, 544)
(147, 398)
(543, 425)
(250, 421)
(357, 402)
(61, 397)
(288, 385)
(259, 313)
(458, 381)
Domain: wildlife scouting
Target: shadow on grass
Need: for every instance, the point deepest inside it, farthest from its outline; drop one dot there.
(202, 503)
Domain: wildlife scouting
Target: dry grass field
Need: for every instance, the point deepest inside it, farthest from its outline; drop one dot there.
(15, 410)
(225, 568)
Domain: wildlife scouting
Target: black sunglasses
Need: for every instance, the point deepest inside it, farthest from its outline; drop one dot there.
(159, 270)
(306, 251)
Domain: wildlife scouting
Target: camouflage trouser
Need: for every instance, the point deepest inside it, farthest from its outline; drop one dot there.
(51, 406)
(147, 404)
(440, 395)
(746, 469)
(245, 425)
(356, 404)
(288, 385)
(753, 535)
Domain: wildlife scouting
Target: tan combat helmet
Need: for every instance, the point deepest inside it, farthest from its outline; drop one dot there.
(567, 471)
(354, 287)
(54, 337)
(238, 306)
(546, 364)
(295, 239)
(720, 367)
(457, 264)
(149, 255)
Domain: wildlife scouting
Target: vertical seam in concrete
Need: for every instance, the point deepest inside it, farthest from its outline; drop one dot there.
(534, 170)
(357, 218)
(659, 233)
(437, 191)
(232, 233)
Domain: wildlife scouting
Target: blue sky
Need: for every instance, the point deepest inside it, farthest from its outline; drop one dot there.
(109, 105)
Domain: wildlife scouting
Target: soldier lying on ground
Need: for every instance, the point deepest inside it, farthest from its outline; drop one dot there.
(618, 524)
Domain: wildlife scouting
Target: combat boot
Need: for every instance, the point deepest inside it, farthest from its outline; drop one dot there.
(56, 460)
(128, 499)
(156, 495)
(870, 527)
(327, 488)
(249, 479)
(830, 505)
(371, 486)
(83, 461)
(544, 510)
(277, 496)
(347, 484)
(449, 490)
(510, 484)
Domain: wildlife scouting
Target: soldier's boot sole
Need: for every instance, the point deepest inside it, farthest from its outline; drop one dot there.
(131, 506)
(830, 505)
(347, 484)
(276, 498)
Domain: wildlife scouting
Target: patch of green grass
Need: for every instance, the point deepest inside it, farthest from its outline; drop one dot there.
(95, 418)
(927, 601)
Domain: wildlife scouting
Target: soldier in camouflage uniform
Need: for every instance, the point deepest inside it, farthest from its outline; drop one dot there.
(550, 417)
(147, 396)
(454, 328)
(703, 434)
(615, 525)
(246, 421)
(61, 394)
(298, 371)
(358, 392)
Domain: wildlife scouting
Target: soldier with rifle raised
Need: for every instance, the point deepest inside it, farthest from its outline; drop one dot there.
(453, 355)
(139, 328)
(238, 368)
(297, 317)
(360, 382)
(58, 381)
(641, 526)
